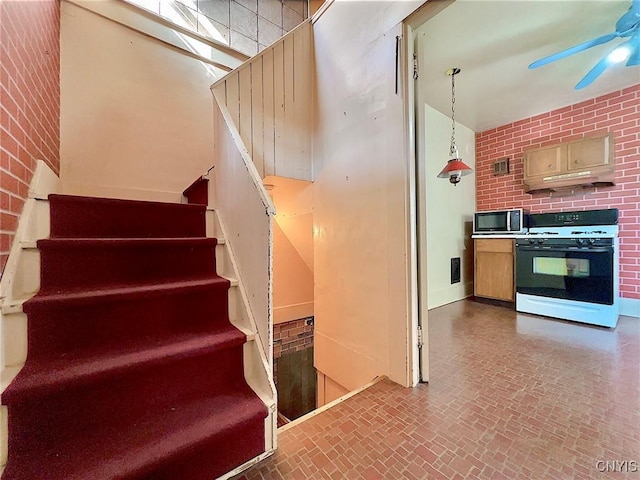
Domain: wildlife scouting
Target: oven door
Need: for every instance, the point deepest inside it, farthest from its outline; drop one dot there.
(572, 273)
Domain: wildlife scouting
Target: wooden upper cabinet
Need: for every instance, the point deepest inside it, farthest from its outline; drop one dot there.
(590, 152)
(583, 162)
(544, 161)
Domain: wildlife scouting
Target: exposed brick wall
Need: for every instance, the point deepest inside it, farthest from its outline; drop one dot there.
(617, 112)
(29, 103)
(292, 336)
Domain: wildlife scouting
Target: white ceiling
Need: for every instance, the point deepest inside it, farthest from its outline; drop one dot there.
(493, 42)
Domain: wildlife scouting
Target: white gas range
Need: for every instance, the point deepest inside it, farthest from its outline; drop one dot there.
(567, 266)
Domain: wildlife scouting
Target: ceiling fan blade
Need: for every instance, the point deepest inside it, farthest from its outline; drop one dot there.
(630, 20)
(594, 73)
(572, 50)
(634, 58)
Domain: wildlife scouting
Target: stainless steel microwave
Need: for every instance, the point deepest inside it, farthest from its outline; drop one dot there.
(501, 221)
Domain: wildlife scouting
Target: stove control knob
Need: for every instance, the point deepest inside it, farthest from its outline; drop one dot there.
(592, 241)
(540, 240)
(580, 241)
(532, 241)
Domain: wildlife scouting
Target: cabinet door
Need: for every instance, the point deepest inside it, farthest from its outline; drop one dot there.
(543, 161)
(590, 152)
(493, 276)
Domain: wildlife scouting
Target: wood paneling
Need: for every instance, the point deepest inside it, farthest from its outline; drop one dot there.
(257, 114)
(245, 107)
(270, 101)
(268, 121)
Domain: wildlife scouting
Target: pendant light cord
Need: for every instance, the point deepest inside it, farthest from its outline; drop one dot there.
(453, 149)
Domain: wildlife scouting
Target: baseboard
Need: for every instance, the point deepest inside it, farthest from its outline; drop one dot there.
(292, 312)
(630, 307)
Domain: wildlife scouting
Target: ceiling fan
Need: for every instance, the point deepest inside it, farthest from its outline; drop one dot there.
(628, 25)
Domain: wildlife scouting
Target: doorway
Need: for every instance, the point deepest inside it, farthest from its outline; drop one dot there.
(293, 296)
(444, 213)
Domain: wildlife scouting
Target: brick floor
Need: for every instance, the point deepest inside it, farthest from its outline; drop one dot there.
(511, 396)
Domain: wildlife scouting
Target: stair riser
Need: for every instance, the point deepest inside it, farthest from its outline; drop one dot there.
(201, 461)
(69, 412)
(199, 466)
(61, 327)
(96, 266)
(74, 217)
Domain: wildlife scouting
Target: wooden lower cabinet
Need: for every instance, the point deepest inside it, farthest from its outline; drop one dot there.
(494, 264)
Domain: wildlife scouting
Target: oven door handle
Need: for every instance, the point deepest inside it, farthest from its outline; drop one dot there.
(525, 248)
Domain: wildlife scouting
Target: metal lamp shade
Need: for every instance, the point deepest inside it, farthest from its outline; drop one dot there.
(454, 170)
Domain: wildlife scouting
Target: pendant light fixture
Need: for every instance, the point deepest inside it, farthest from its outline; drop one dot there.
(455, 168)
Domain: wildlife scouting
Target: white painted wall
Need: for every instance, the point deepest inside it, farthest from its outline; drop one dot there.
(136, 116)
(449, 210)
(292, 248)
(360, 195)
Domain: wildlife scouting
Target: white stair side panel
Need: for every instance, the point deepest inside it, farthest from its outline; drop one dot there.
(27, 277)
(14, 329)
(212, 227)
(222, 262)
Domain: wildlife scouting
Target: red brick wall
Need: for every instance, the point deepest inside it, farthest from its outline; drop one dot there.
(617, 112)
(29, 103)
(292, 336)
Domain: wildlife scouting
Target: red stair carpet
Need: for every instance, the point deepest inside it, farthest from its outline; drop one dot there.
(134, 370)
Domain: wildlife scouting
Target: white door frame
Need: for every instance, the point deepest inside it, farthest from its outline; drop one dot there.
(414, 122)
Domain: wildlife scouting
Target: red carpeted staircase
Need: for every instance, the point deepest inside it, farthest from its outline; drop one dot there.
(133, 369)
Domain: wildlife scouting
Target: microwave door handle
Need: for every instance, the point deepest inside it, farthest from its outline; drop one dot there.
(509, 229)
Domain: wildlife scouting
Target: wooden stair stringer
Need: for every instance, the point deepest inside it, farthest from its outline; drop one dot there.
(20, 280)
(258, 365)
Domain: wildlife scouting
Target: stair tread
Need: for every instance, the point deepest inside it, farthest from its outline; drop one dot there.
(37, 378)
(75, 216)
(135, 449)
(82, 295)
(124, 242)
(166, 436)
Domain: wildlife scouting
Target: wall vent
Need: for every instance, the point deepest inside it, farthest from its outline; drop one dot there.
(455, 270)
(501, 166)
